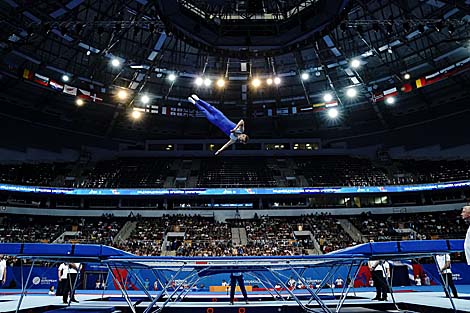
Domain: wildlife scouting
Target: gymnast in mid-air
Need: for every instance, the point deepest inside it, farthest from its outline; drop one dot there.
(234, 131)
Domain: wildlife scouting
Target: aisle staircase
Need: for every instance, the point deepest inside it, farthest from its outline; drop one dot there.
(125, 232)
(239, 236)
(352, 231)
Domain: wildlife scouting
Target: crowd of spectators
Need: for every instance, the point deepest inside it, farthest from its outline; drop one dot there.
(99, 230)
(147, 237)
(36, 174)
(32, 228)
(340, 171)
(273, 236)
(429, 225)
(194, 235)
(236, 172)
(126, 173)
(328, 232)
(427, 171)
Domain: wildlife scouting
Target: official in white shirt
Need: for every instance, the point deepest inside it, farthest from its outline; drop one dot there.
(72, 272)
(466, 217)
(443, 261)
(3, 271)
(379, 276)
(62, 274)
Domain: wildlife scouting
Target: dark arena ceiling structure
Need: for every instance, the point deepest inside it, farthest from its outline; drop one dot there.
(283, 65)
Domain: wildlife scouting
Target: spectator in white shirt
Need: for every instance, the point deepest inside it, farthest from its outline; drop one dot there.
(339, 282)
(418, 280)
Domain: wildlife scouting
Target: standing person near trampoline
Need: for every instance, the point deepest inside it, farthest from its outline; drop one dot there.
(378, 276)
(3, 271)
(443, 261)
(234, 278)
(72, 272)
(466, 217)
(62, 279)
(213, 115)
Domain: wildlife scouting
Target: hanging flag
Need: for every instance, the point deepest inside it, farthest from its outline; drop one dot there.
(390, 92)
(70, 90)
(55, 85)
(27, 74)
(421, 82)
(331, 104)
(95, 98)
(406, 88)
(84, 94)
(377, 97)
(41, 80)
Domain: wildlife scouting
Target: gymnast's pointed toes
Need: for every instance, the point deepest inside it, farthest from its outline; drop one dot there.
(191, 100)
(195, 97)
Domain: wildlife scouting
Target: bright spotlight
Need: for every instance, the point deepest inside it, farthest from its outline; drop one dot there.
(390, 100)
(199, 81)
(207, 82)
(355, 63)
(277, 80)
(145, 99)
(407, 76)
(136, 114)
(256, 82)
(115, 62)
(269, 81)
(333, 113)
(65, 78)
(351, 92)
(305, 76)
(79, 102)
(220, 82)
(172, 77)
(327, 97)
(122, 94)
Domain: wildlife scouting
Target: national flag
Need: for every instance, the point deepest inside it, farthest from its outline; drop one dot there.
(436, 79)
(84, 94)
(421, 82)
(331, 104)
(377, 97)
(27, 74)
(55, 85)
(406, 88)
(95, 98)
(41, 80)
(70, 90)
(390, 92)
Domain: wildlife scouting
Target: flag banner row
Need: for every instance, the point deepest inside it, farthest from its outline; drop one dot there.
(421, 82)
(54, 85)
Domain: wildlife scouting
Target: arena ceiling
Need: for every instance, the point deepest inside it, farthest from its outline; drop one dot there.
(240, 41)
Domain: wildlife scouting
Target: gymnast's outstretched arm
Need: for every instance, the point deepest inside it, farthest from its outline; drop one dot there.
(228, 144)
(240, 125)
